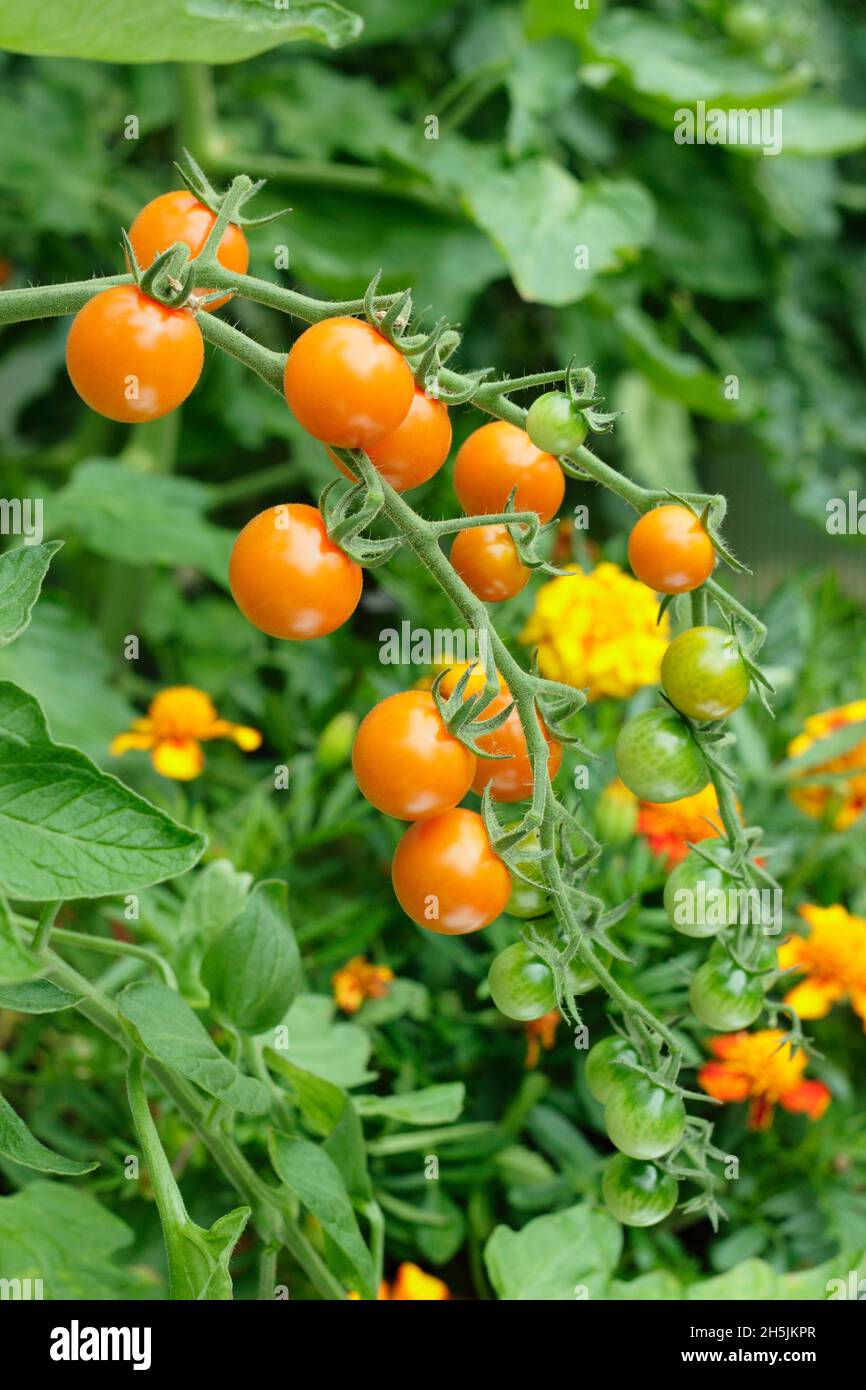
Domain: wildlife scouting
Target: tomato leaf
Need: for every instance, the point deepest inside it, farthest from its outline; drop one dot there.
(434, 1105)
(36, 997)
(315, 1179)
(253, 969)
(21, 574)
(554, 1257)
(17, 961)
(68, 830)
(18, 1144)
(64, 1237)
(165, 1027)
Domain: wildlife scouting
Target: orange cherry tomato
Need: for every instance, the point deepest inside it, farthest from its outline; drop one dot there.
(670, 551)
(476, 680)
(346, 384)
(405, 760)
(179, 216)
(510, 777)
(417, 448)
(447, 877)
(287, 576)
(131, 359)
(499, 457)
(486, 559)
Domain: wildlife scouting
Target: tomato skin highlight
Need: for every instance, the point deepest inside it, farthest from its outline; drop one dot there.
(510, 776)
(604, 1069)
(122, 338)
(704, 675)
(638, 1193)
(416, 449)
(658, 758)
(642, 1119)
(288, 578)
(670, 551)
(446, 876)
(724, 997)
(406, 762)
(487, 561)
(346, 384)
(179, 216)
(498, 457)
(681, 898)
(521, 984)
(554, 425)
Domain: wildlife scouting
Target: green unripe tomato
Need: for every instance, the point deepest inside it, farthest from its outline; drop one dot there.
(658, 758)
(704, 674)
(725, 997)
(638, 1193)
(526, 900)
(616, 814)
(696, 897)
(554, 424)
(643, 1119)
(765, 958)
(335, 741)
(521, 984)
(748, 24)
(604, 1067)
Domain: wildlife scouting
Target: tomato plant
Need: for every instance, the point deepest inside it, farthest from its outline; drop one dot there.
(604, 1069)
(638, 1193)
(288, 578)
(486, 559)
(704, 674)
(658, 758)
(669, 550)
(446, 876)
(724, 996)
(132, 359)
(406, 762)
(521, 984)
(346, 384)
(697, 896)
(644, 1119)
(509, 774)
(500, 458)
(180, 216)
(415, 450)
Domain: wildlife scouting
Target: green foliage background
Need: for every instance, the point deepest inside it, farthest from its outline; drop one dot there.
(555, 130)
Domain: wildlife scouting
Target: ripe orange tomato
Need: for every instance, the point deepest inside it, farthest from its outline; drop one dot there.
(346, 384)
(447, 877)
(510, 778)
(498, 457)
(670, 551)
(179, 216)
(287, 576)
(417, 448)
(486, 559)
(131, 359)
(405, 760)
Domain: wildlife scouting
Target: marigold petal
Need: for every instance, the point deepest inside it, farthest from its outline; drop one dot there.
(123, 743)
(723, 1082)
(412, 1284)
(246, 738)
(807, 1098)
(725, 1044)
(760, 1113)
(813, 998)
(178, 758)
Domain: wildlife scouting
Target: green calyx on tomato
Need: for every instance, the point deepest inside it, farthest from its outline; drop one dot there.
(704, 674)
(644, 1119)
(638, 1193)
(554, 424)
(701, 899)
(724, 996)
(658, 758)
(604, 1065)
(526, 901)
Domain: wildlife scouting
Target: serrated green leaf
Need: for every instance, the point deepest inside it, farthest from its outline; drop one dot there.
(253, 969)
(69, 830)
(17, 1143)
(66, 1238)
(556, 1257)
(21, 574)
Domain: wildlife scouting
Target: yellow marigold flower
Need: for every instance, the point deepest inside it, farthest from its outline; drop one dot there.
(178, 721)
(832, 956)
(598, 631)
(540, 1033)
(358, 980)
(754, 1067)
(670, 827)
(844, 795)
(411, 1284)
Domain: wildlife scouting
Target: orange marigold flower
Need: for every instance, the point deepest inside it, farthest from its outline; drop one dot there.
(540, 1033)
(843, 796)
(411, 1285)
(178, 721)
(672, 826)
(763, 1069)
(832, 956)
(358, 980)
(599, 631)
